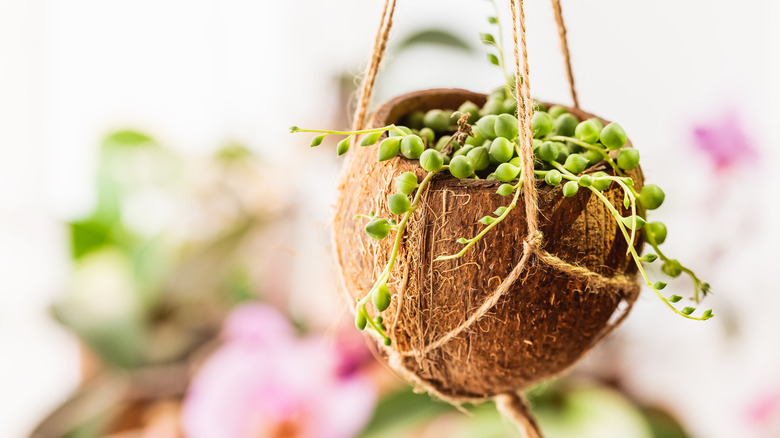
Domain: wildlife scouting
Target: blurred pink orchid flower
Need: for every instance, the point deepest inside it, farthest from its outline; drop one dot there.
(265, 382)
(764, 409)
(725, 141)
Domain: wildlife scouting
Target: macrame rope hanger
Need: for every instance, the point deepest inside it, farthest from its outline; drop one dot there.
(512, 405)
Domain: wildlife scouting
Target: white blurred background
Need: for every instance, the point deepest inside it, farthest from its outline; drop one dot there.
(197, 73)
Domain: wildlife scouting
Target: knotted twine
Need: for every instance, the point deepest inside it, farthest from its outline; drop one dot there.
(512, 405)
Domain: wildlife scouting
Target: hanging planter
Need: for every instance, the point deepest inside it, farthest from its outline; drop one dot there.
(490, 241)
(546, 317)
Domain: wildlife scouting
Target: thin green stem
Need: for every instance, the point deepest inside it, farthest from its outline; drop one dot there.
(619, 220)
(698, 284)
(632, 199)
(400, 229)
(638, 262)
(351, 133)
(500, 48)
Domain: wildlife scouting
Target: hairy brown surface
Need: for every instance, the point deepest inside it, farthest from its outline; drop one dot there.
(548, 320)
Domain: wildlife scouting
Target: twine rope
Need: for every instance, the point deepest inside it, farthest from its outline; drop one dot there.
(524, 104)
(512, 405)
(377, 54)
(565, 50)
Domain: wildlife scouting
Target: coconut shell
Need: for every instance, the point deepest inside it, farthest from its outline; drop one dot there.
(549, 318)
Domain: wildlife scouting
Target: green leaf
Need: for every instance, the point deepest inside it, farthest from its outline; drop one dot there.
(707, 314)
(89, 235)
(499, 211)
(674, 299)
(487, 38)
(659, 285)
(234, 153)
(505, 189)
(403, 410)
(316, 141)
(493, 59)
(433, 37)
(629, 222)
(129, 137)
(462, 240)
(487, 220)
(688, 310)
(649, 258)
(371, 139)
(492, 20)
(381, 298)
(361, 321)
(343, 146)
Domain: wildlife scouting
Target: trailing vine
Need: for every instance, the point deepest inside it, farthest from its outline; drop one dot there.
(473, 142)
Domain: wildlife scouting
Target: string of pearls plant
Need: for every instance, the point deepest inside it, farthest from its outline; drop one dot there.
(483, 143)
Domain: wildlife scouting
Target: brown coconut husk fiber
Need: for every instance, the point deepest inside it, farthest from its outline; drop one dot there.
(566, 298)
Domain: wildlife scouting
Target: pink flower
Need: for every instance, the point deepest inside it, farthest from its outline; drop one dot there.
(266, 382)
(725, 141)
(764, 408)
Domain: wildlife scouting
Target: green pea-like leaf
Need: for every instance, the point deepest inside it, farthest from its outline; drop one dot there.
(707, 314)
(389, 148)
(398, 203)
(487, 38)
(659, 285)
(492, 20)
(371, 139)
(688, 310)
(381, 298)
(505, 189)
(493, 59)
(343, 146)
(649, 258)
(378, 228)
(462, 240)
(674, 298)
(361, 321)
(316, 141)
(487, 220)
(629, 222)
(499, 211)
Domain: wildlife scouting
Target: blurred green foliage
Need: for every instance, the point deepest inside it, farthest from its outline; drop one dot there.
(564, 409)
(148, 287)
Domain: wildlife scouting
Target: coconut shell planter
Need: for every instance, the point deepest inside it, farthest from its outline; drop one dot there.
(543, 324)
(487, 242)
